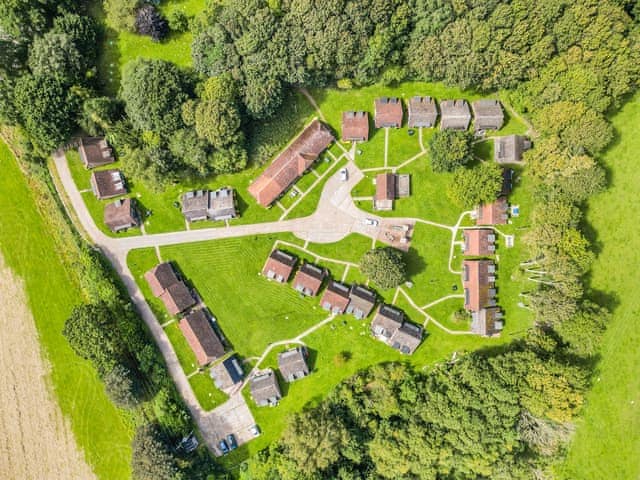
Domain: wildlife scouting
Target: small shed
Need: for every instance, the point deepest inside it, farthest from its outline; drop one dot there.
(161, 277)
(95, 152)
(309, 279)
(406, 338)
(265, 389)
(195, 205)
(279, 266)
(177, 298)
(335, 298)
(454, 115)
(361, 301)
(293, 364)
(355, 126)
(388, 112)
(201, 337)
(479, 242)
(386, 322)
(228, 373)
(487, 322)
(488, 115)
(423, 112)
(509, 149)
(494, 213)
(222, 204)
(108, 184)
(121, 215)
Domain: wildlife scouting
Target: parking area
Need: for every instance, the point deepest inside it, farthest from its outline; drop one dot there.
(232, 417)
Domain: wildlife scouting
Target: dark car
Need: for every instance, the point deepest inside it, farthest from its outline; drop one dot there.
(231, 440)
(224, 448)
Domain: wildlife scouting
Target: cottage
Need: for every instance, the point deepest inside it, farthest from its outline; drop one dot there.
(121, 215)
(279, 266)
(361, 301)
(309, 279)
(107, 184)
(454, 115)
(161, 277)
(479, 242)
(228, 373)
(335, 298)
(265, 389)
(422, 112)
(488, 115)
(355, 126)
(195, 205)
(222, 204)
(386, 322)
(494, 213)
(478, 278)
(509, 149)
(487, 322)
(390, 186)
(406, 338)
(293, 364)
(201, 337)
(388, 112)
(291, 164)
(95, 152)
(177, 298)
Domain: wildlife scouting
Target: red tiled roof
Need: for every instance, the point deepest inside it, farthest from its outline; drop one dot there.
(494, 213)
(309, 278)
(385, 186)
(336, 297)
(291, 163)
(355, 126)
(476, 284)
(388, 112)
(279, 264)
(476, 241)
(177, 298)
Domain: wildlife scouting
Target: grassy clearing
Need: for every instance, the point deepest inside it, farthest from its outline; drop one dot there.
(607, 441)
(206, 392)
(100, 429)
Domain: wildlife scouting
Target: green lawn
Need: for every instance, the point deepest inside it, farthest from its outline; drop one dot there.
(607, 440)
(206, 392)
(101, 430)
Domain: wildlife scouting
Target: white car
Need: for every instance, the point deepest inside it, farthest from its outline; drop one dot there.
(255, 431)
(344, 175)
(371, 221)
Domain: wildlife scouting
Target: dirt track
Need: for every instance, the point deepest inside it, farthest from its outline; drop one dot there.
(35, 439)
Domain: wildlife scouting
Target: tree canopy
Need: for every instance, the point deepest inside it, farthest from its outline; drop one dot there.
(450, 149)
(472, 186)
(385, 266)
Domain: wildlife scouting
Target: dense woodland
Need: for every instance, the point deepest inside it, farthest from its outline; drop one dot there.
(503, 413)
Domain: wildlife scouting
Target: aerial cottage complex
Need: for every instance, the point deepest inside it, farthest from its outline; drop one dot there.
(166, 285)
(361, 301)
(509, 149)
(121, 215)
(423, 112)
(291, 164)
(279, 266)
(454, 115)
(494, 213)
(388, 112)
(227, 373)
(335, 298)
(390, 327)
(390, 186)
(107, 184)
(488, 115)
(95, 152)
(355, 126)
(478, 278)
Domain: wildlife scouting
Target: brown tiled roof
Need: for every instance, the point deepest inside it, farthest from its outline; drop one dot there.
(121, 214)
(478, 241)
(95, 152)
(161, 277)
(406, 338)
(108, 183)
(293, 364)
(385, 186)
(336, 297)
(291, 163)
(488, 114)
(388, 112)
(309, 279)
(177, 298)
(201, 337)
(494, 213)
(355, 126)
(454, 114)
(422, 112)
(361, 301)
(509, 149)
(386, 321)
(477, 283)
(265, 389)
(487, 321)
(279, 265)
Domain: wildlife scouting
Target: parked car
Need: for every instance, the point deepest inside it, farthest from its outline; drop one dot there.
(371, 221)
(344, 174)
(255, 431)
(224, 448)
(231, 440)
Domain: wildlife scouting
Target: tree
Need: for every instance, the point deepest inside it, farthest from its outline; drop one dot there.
(56, 55)
(229, 160)
(191, 150)
(583, 331)
(82, 30)
(385, 266)
(153, 92)
(121, 14)
(178, 21)
(471, 186)
(151, 458)
(217, 118)
(99, 115)
(450, 149)
(121, 387)
(150, 22)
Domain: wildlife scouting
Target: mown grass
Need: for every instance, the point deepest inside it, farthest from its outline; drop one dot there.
(607, 440)
(102, 431)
